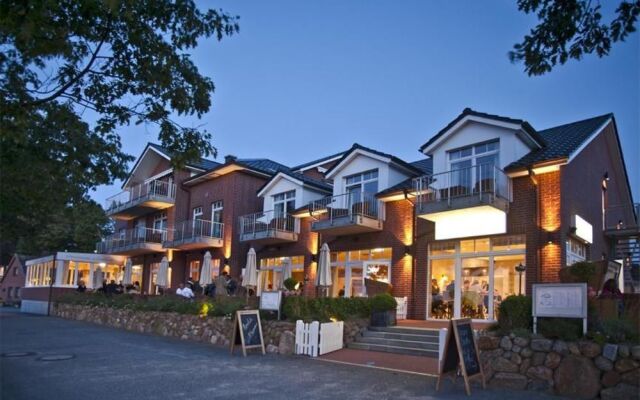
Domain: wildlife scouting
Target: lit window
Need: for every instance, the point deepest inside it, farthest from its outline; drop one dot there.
(576, 251)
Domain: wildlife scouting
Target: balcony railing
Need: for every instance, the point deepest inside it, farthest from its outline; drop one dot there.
(162, 190)
(348, 205)
(197, 230)
(462, 187)
(131, 240)
(622, 218)
(266, 224)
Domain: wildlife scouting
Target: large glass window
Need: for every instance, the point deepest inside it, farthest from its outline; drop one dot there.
(39, 274)
(352, 269)
(271, 271)
(469, 278)
(194, 270)
(364, 182)
(160, 221)
(464, 177)
(216, 218)
(284, 203)
(576, 251)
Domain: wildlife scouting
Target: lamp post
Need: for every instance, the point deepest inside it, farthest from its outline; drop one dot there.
(520, 269)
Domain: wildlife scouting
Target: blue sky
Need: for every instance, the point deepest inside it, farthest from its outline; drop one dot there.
(307, 79)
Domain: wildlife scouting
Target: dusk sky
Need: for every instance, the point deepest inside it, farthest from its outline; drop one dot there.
(306, 79)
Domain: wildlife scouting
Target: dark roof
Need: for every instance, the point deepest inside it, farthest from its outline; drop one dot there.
(561, 141)
(321, 185)
(318, 161)
(264, 165)
(426, 165)
(393, 158)
(467, 111)
(202, 163)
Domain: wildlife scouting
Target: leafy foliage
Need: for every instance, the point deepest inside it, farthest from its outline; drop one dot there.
(324, 308)
(569, 29)
(582, 271)
(569, 329)
(515, 313)
(614, 331)
(112, 62)
(290, 283)
(383, 302)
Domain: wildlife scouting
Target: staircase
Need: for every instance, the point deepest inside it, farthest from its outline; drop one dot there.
(415, 342)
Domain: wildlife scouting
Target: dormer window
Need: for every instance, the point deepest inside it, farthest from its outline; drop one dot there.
(364, 182)
(284, 203)
(473, 163)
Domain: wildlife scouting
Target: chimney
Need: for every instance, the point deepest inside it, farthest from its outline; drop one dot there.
(229, 158)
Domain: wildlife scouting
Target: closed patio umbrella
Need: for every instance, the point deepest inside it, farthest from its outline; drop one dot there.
(205, 274)
(287, 270)
(128, 272)
(250, 278)
(163, 273)
(323, 274)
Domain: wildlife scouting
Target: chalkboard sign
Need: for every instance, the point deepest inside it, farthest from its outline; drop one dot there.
(461, 352)
(247, 331)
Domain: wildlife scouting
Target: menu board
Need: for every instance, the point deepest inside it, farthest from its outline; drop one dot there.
(270, 300)
(247, 331)
(461, 353)
(567, 300)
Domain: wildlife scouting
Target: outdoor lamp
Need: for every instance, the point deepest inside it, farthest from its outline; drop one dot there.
(314, 258)
(520, 269)
(407, 250)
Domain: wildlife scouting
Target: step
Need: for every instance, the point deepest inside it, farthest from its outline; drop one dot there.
(402, 330)
(409, 344)
(401, 336)
(393, 349)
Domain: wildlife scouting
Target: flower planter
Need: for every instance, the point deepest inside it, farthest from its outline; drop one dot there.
(383, 318)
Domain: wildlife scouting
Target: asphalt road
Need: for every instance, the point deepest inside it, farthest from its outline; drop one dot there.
(118, 365)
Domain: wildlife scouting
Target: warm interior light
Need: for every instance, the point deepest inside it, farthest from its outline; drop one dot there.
(378, 250)
(473, 221)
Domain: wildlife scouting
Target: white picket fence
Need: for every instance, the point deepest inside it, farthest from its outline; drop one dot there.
(316, 339)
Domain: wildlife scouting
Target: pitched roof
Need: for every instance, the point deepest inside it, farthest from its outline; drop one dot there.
(561, 141)
(202, 163)
(469, 112)
(426, 166)
(394, 159)
(264, 165)
(320, 185)
(318, 161)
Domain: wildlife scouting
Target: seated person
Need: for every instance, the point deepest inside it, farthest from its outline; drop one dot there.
(185, 292)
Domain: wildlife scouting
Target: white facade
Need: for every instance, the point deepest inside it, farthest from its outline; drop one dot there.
(361, 162)
(284, 183)
(512, 147)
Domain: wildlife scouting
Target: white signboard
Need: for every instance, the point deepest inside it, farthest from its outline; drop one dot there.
(271, 301)
(561, 300)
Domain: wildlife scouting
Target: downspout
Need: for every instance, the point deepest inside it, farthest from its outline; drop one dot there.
(414, 238)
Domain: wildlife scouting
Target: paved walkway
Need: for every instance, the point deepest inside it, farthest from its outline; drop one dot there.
(115, 364)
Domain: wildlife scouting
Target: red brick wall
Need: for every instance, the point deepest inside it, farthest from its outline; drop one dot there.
(13, 278)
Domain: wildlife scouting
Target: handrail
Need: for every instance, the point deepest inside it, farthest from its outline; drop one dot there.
(155, 188)
(266, 221)
(130, 237)
(622, 216)
(477, 180)
(348, 205)
(195, 228)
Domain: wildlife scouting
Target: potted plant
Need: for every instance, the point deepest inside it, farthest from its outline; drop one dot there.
(383, 310)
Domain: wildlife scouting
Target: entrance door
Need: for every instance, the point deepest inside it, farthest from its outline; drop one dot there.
(354, 282)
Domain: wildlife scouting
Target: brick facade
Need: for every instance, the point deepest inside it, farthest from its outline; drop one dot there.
(13, 280)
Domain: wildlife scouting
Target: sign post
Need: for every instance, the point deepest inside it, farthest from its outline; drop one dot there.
(461, 354)
(247, 331)
(271, 301)
(560, 300)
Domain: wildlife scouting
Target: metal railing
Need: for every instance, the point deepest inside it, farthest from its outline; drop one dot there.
(191, 229)
(622, 216)
(130, 238)
(348, 205)
(266, 221)
(140, 192)
(477, 180)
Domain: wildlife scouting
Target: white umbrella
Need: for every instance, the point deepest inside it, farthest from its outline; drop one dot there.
(323, 274)
(163, 273)
(287, 270)
(250, 278)
(128, 271)
(205, 275)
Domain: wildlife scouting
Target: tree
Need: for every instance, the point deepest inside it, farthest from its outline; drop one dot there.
(73, 72)
(569, 29)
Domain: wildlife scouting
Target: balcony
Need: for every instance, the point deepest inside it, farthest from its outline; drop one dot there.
(194, 234)
(133, 242)
(269, 227)
(347, 214)
(141, 199)
(622, 220)
(477, 186)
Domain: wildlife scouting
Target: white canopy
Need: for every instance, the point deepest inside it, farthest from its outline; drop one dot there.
(163, 273)
(128, 272)
(250, 278)
(205, 274)
(323, 274)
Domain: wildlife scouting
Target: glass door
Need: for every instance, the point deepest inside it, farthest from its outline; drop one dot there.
(475, 290)
(354, 282)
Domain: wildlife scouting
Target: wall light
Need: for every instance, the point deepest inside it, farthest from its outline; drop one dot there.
(314, 258)
(407, 250)
(225, 261)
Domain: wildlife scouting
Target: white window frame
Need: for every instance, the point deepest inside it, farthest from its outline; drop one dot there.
(362, 181)
(348, 265)
(574, 256)
(285, 198)
(162, 218)
(197, 213)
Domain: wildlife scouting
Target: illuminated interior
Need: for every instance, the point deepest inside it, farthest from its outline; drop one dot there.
(270, 274)
(349, 270)
(467, 222)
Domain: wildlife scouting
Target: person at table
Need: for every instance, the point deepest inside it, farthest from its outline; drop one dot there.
(451, 289)
(221, 284)
(185, 291)
(112, 288)
(81, 287)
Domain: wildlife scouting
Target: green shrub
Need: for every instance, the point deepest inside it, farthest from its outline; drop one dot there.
(290, 283)
(324, 308)
(614, 331)
(383, 302)
(515, 313)
(560, 328)
(583, 271)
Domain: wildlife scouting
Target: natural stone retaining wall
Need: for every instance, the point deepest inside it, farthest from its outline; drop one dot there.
(279, 336)
(582, 369)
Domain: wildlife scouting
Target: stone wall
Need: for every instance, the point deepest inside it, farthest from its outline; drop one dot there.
(581, 369)
(279, 336)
